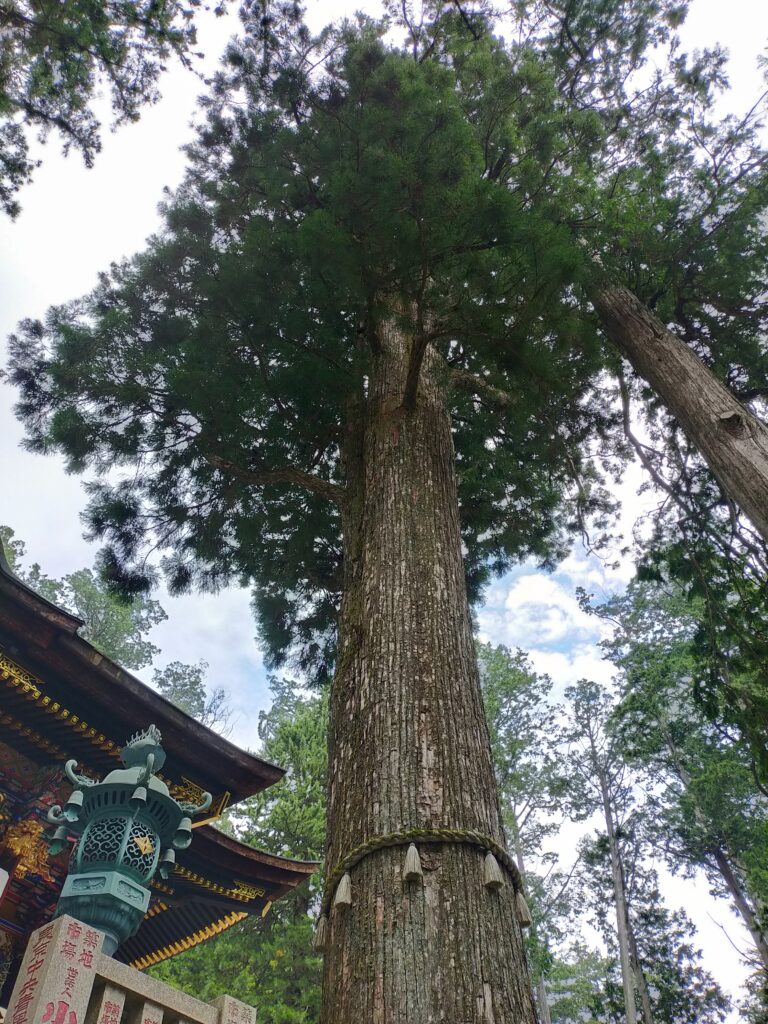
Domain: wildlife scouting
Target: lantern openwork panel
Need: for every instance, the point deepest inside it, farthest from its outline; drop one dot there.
(126, 829)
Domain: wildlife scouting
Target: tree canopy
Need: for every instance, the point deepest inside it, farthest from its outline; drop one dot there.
(357, 195)
(184, 685)
(480, 180)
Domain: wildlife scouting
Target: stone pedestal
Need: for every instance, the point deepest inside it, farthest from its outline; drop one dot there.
(66, 978)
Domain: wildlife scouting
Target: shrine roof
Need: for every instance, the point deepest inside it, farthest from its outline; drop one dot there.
(60, 699)
(100, 704)
(220, 883)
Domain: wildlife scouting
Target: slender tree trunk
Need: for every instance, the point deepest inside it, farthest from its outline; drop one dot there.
(723, 860)
(408, 739)
(542, 1003)
(622, 914)
(742, 904)
(637, 969)
(732, 441)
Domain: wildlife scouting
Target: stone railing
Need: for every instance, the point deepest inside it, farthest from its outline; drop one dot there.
(66, 979)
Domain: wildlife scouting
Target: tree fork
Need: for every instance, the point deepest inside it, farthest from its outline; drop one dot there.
(409, 743)
(731, 440)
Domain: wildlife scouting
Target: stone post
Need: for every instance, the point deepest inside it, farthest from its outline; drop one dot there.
(147, 1012)
(66, 978)
(57, 974)
(107, 1007)
(232, 1011)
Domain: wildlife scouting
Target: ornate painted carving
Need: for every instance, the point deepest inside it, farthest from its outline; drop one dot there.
(24, 839)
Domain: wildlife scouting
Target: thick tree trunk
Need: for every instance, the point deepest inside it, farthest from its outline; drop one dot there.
(408, 738)
(732, 441)
(622, 913)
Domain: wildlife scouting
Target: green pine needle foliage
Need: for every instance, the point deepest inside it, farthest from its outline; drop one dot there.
(269, 963)
(56, 57)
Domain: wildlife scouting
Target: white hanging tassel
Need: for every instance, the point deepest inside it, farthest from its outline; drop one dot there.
(412, 871)
(492, 876)
(320, 940)
(343, 897)
(523, 913)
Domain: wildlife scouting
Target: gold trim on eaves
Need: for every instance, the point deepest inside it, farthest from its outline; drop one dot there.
(149, 959)
(241, 891)
(32, 688)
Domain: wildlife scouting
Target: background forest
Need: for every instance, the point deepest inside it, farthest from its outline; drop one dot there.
(633, 773)
(649, 765)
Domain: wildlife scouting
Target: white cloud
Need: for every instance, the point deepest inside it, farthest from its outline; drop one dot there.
(544, 611)
(219, 629)
(567, 667)
(536, 610)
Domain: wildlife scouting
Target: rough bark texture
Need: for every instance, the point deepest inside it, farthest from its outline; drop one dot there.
(408, 738)
(732, 441)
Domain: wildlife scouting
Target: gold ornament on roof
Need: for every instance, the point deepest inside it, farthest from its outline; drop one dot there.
(25, 840)
(189, 795)
(188, 792)
(248, 891)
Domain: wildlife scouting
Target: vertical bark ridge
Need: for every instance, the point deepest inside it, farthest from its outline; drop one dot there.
(409, 743)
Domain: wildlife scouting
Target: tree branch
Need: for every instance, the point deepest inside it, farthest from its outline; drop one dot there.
(465, 18)
(478, 386)
(284, 475)
(639, 448)
(418, 351)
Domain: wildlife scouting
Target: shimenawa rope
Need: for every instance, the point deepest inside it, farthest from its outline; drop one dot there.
(418, 835)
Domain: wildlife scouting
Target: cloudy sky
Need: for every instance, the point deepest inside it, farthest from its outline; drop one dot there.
(74, 222)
